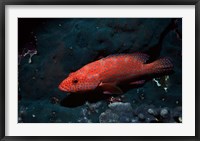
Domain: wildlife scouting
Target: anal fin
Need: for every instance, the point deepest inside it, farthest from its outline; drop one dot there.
(109, 88)
(139, 82)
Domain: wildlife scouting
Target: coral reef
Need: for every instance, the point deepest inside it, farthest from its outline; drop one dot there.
(49, 49)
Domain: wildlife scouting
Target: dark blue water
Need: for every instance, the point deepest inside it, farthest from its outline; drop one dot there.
(49, 49)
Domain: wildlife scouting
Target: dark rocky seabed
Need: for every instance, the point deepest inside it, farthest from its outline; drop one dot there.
(49, 49)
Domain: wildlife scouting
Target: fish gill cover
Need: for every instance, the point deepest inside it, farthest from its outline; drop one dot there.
(50, 49)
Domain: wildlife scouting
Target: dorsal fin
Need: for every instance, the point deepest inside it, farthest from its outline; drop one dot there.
(114, 55)
(138, 56)
(141, 57)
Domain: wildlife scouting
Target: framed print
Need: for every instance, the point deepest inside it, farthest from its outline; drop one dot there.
(92, 70)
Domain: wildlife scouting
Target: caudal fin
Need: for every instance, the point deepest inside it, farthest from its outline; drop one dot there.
(160, 66)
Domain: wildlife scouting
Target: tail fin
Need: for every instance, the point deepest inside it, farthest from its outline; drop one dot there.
(160, 66)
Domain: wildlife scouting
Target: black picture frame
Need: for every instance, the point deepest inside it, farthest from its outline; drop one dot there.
(3, 3)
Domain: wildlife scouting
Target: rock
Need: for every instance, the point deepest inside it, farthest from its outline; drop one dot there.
(177, 112)
(20, 120)
(124, 119)
(164, 113)
(108, 117)
(117, 112)
(84, 120)
(141, 117)
(84, 112)
(93, 107)
(134, 120)
(119, 107)
(180, 119)
(151, 111)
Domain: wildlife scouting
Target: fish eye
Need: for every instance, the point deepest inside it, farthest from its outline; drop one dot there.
(75, 81)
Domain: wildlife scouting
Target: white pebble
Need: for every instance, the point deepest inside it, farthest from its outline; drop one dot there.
(157, 82)
(180, 119)
(151, 111)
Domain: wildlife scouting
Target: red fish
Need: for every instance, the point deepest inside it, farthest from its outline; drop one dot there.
(109, 72)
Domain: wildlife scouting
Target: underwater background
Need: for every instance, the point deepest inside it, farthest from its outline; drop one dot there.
(49, 49)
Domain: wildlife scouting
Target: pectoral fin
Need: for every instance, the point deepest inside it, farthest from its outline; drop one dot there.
(139, 82)
(109, 88)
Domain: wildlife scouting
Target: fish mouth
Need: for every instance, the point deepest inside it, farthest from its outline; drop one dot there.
(62, 88)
